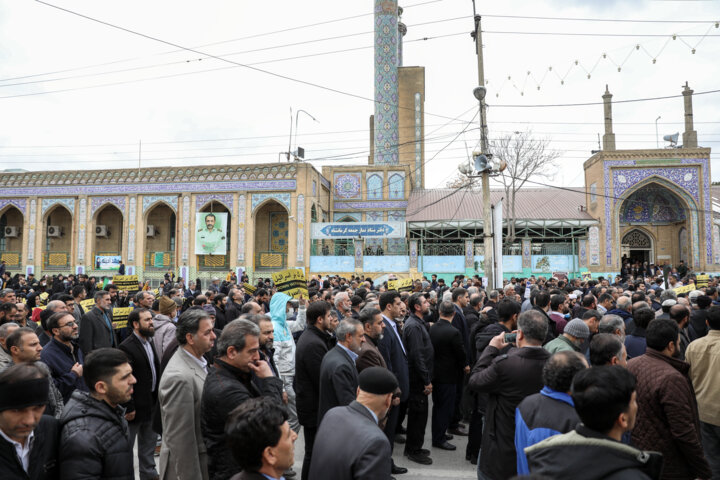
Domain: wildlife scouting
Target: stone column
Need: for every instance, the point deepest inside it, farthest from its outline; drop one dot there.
(689, 135)
(609, 137)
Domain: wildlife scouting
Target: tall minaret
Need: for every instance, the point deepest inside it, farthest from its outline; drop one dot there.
(609, 137)
(386, 82)
(689, 135)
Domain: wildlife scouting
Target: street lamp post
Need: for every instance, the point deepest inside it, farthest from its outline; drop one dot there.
(297, 114)
(657, 139)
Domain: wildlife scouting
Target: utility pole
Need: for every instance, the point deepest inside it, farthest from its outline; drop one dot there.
(487, 213)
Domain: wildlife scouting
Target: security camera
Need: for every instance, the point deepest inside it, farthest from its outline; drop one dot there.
(480, 92)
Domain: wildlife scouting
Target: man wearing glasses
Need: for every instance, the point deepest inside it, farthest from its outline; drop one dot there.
(63, 355)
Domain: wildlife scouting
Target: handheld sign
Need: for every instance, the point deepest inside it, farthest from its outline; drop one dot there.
(702, 281)
(88, 304)
(120, 317)
(291, 282)
(128, 283)
(403, 285)
(249, 289)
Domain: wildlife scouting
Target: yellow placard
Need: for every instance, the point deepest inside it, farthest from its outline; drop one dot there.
(128, 283)
(685, 289)
(120, 317)
(88, 304)
(402, 285)
(702, 281)
(291, 282)
(249, 288)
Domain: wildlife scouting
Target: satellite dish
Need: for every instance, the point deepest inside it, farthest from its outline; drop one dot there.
(673, 139)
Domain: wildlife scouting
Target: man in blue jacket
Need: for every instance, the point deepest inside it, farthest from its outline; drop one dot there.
(550, 412)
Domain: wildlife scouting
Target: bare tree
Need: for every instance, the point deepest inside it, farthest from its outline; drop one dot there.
(460, 181)
(526, 157)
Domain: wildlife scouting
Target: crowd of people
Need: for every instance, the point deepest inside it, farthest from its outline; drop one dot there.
(553, 378)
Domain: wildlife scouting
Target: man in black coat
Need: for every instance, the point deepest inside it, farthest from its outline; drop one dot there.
(350, 445)
(449, 367)
(233, 307)
(508, 379)
(237, 375)
(393, 351)
(461, 299)
(420, 367)
(542, 306)
(96, 329)
(338, 374)
(146, 369)
(24, 393)
(94, 437)
(312, 346)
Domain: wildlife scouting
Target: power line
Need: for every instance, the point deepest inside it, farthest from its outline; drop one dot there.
(620, 20)
(586, 104)
(587, 34)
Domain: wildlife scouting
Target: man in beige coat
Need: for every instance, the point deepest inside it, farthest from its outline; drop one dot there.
(183, 455)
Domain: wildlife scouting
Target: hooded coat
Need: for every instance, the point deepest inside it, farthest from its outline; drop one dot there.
(284, 342)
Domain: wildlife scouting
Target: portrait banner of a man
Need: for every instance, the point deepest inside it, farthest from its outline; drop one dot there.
(210, 233)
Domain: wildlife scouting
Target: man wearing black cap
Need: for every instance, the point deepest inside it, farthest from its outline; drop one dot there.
(28, 439)
(349, 443)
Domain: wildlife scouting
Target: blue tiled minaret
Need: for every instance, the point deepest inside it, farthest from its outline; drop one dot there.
(386, 82)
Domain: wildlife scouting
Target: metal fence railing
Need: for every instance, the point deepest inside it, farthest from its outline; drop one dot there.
(159, 260)
(270, 260)
(12, 259)
(56, 260)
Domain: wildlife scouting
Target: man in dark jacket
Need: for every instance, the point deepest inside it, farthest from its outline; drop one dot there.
(369, 355)
(667, 419)
(260, 439)
(237, 375)
(94, 437)
(338, 374)
(461, 299)
(449, 366)
(62, 355)
(594, 451)
(312, 346)
(96, 325)
(233, 308)
(508, 379)
(23, 395)
(542, 306)
(550, 412)
(420, 366)
(220, 302)
(146, 369)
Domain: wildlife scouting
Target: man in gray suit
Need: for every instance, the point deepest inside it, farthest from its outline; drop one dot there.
(183, 455)
(349, 444)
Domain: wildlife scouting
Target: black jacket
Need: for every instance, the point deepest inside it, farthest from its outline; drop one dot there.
(232, 312)
(311, 348)
(551, 325)
(471, 316)
(338, 381)
(226, 387)
(391, 348)
(460, 323)
(94, 441)
(586, 454)
(94, 331)
(144, 395)
(220, 318)
(60, 359)
(43, 454)
(449, 355)
(419, 350)
(507, 379)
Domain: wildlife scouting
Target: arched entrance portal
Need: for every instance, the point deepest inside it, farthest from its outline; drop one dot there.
(637, 246)
(655, 223)
(11, 237)
(108, 236)
(58, 244)
(160, 235)
(271, 236)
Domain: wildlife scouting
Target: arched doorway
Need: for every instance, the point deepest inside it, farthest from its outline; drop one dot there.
(271, 236)
(637, 246)
(160, 237)
(108, 234)
(11, 237)
(651, 220)
(57, 248)
(224, 224)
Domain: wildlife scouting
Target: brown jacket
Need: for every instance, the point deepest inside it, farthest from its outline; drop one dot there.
(667, 419)
(369, 356)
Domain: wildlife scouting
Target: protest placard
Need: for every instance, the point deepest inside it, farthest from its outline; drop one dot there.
(702, 281)
(402, 285)
(291, 282)
(129, 283)
(249, 289)
(685, 289)
(120, 317)
(88, 304)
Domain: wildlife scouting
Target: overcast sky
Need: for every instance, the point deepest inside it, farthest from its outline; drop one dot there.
(75, 93)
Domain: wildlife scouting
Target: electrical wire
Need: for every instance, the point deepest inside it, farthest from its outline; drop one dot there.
(588, 34)
(586, 104)
(619, 20)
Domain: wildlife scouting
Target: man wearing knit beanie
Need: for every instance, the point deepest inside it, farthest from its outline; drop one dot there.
(575, 333)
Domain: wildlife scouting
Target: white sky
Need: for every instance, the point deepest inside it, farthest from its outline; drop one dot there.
(237, 115)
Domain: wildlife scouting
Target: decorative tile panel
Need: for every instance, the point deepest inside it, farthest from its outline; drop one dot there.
(20, 203)
(226, 199)
(526, 253)
(241, 229)
(413, 254)
(396, 185)
(582, 252)
(347, 186)
(469, 254)
(82, 229)
(594, 245)
(338, 217)
(386, 82)
(149, 201)
(374, 186)
(186, 227)
(359, 247)
(300, 228)
(258, 198)
(325, 183)
(49, 202)
(97, 202)
(32, 221)
(716, 243)
(132, 217)
(418, 140)
(368, 205)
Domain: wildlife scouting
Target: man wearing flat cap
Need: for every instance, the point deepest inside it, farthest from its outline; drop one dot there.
(349, 443)
(28, 439)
